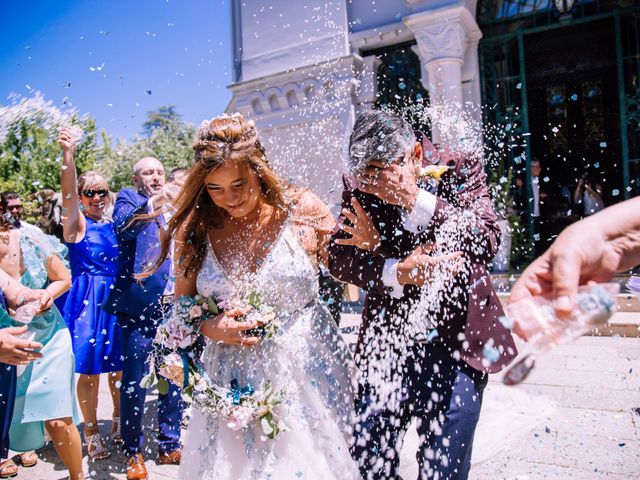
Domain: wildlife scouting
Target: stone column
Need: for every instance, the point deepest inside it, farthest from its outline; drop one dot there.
(447, 45)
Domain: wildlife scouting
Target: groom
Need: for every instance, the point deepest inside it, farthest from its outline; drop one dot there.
(140, 305)
(435, 375)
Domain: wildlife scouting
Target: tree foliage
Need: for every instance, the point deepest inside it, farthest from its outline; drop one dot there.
(163, 118)
(29, 151)
(169, 141)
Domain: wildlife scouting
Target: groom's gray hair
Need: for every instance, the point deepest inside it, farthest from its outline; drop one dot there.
(379, 135)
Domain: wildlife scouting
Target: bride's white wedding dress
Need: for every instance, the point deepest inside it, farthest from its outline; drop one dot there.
(307, 358)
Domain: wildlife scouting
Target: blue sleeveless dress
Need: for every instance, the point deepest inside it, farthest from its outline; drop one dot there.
(94, 332)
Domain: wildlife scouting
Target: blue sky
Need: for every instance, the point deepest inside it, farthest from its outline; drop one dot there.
(117, 59)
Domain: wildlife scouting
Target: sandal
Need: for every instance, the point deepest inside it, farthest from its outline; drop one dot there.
(96, 448)
(28, 459)
(116, 434)
(8, 469)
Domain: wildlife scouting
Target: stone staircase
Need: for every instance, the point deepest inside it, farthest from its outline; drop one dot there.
(624, 323)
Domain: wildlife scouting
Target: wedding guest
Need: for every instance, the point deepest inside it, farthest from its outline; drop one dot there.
(45, 389)
(13, 351)
(424, 361)
(93, 251)
(588, 195)
(593, 249)
(544, 204)
(140, 305)
(12, 204)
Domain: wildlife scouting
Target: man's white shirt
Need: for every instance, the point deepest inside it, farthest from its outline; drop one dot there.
(415, 221)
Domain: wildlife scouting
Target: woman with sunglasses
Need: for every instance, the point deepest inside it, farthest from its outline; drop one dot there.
(92, 244)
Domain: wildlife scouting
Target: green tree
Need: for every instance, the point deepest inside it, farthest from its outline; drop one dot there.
(164, 118)
(29, 151)
(170, 142)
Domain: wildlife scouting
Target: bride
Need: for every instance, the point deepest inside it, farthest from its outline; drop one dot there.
(240, 232)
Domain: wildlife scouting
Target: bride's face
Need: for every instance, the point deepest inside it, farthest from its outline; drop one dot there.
(233, 189)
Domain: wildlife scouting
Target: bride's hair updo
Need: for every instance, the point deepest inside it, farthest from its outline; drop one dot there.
(224, 138)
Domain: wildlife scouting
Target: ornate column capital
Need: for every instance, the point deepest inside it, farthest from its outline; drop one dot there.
(444, 34)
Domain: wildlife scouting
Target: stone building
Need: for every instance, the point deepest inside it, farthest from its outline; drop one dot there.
(561, 76)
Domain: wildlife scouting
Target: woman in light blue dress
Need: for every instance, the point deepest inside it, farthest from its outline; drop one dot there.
(45, 388)
(93, 253)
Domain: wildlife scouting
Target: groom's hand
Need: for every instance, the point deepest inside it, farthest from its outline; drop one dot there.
(364, 234)
(395, 184)
(420, 267)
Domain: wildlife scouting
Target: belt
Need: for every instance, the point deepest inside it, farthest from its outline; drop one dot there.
(166, 299)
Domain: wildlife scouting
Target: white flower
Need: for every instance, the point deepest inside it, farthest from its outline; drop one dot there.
(201, 385)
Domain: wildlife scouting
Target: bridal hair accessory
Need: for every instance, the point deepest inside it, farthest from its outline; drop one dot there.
(176, 356)
(537, 319)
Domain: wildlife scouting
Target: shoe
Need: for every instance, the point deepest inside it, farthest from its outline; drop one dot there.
(116, 433)
(136, 469)
(96, 449)
(28, 459)
(170, 458)
(8, 469)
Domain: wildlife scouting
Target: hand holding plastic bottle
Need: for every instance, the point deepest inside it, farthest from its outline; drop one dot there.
(591, 250)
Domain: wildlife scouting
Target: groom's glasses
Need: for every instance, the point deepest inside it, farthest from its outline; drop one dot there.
(92, 193)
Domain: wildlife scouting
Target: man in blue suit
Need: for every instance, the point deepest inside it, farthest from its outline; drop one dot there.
(140, 305)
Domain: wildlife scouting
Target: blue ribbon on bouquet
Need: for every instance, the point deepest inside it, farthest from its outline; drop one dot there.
(239, 393)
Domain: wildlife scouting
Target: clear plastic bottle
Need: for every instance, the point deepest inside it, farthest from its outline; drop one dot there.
(536, 318)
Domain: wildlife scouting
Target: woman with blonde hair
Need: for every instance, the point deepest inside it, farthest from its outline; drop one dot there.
(244, 237)
(93, 251)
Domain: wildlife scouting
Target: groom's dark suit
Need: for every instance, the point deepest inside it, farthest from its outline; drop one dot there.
(465, 340)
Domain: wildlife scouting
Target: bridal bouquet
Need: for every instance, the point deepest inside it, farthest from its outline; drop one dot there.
(176, 357)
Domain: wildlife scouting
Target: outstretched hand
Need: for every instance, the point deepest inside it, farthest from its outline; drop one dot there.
(67, 140)
(364, 234)
(420, 266)
(579, 255)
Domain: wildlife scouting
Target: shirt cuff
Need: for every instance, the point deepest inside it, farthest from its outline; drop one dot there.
(418, 219)
(390, 278)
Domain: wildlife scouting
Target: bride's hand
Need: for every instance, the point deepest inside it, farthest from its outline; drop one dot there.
(226, 329)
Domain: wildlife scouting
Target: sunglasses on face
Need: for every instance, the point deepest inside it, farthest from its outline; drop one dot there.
(92, 193)
(14, 207)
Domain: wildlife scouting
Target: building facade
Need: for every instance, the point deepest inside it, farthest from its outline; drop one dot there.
(561, 76)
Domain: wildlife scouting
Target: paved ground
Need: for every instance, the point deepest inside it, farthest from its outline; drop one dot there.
(576, 417)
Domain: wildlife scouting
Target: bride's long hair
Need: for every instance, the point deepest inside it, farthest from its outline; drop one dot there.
(228, 137)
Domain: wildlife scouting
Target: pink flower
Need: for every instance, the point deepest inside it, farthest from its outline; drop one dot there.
(195, 311)
(239, 418)
(172, 368)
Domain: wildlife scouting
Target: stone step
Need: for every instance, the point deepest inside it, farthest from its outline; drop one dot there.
(624, 323)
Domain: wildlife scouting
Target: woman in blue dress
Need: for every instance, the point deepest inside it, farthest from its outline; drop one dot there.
(93, 252)
(45, 388)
